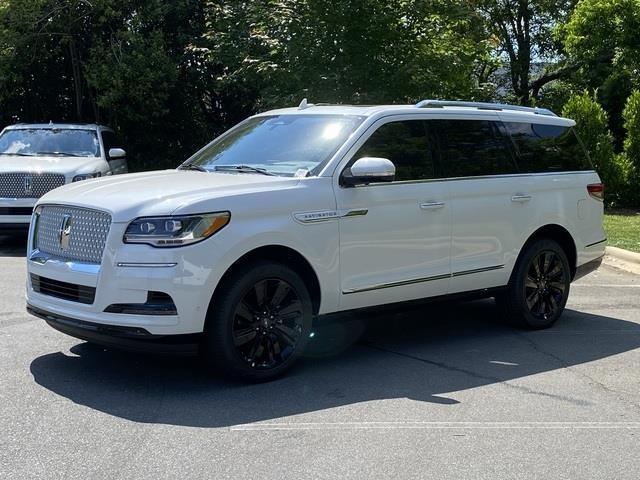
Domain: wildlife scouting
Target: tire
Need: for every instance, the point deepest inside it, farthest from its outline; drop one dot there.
(539, 286)
(259, 323)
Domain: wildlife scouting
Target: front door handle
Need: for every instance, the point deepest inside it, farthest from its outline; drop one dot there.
(521, 198)
(431, 205)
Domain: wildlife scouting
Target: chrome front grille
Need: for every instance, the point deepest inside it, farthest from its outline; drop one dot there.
(72, 233)
(28, 185)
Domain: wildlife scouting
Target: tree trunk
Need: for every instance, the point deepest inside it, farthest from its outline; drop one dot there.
(77, 77)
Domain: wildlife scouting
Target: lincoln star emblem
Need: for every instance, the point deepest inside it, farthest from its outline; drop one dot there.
(28, 184)
(65, 231)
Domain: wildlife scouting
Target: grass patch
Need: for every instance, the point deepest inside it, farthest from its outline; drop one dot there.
(623, 229)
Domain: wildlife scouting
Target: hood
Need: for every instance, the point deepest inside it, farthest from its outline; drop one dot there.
(53, 164)
(160, 193)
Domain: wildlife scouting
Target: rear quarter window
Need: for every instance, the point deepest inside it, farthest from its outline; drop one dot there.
(547, 148)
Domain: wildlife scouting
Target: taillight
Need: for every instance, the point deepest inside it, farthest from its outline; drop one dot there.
(596, 190)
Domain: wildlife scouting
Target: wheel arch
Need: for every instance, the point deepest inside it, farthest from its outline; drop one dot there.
(559, 234)
(285, 255)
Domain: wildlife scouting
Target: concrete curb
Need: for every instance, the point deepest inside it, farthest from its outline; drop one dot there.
(622, 259)
(623, 254)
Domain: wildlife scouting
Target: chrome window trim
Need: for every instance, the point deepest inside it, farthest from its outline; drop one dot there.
(479, 177)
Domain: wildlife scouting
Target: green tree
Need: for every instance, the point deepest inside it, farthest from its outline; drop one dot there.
(602, 37)
(631, 115)
(345, 51)
(122, 62)
(592, 127)
(523, 32)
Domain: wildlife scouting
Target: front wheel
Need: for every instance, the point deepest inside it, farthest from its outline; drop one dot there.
(259, 323)
(539, 286)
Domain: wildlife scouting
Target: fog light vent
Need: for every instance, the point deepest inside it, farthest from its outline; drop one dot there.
(158, 303)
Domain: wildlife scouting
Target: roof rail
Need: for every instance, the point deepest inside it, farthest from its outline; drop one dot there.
(483, 106)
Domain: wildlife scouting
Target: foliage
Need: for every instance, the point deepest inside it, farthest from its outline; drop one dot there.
(523, 31)
(363, 51)
(602, 37)
(122, 62)
(591, 125)
(631, 117)
(630, 157)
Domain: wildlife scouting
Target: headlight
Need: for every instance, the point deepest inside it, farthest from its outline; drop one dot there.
(175, 231)
(86, 176)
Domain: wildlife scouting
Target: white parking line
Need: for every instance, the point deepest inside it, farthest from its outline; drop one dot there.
(609, 285)
(439, 426)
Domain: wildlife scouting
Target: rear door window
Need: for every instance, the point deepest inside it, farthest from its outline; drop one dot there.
(547, 148)
(471, 148)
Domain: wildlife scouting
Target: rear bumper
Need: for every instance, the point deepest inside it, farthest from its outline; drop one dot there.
(134, 339)
(587, 268)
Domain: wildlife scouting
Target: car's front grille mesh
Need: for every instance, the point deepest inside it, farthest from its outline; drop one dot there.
(87, 232)
(64, 290)
(28, 185)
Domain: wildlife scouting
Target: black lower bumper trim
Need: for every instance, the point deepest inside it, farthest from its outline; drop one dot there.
(16, 211)
(132, 339)
(13, 227)
(587, 268)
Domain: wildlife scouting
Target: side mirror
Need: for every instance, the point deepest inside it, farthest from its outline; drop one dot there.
(116, 153)
(369, 170)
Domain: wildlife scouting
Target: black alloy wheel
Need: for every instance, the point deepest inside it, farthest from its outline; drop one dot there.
(539, 286)
(268, 323)
(545, 285)
(258, 323)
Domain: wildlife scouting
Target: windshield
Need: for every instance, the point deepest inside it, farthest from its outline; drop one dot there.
(50, 141)
(281, 144)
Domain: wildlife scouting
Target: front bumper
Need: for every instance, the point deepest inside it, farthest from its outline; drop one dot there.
(134, 339)
(126, 276)
(15, 213)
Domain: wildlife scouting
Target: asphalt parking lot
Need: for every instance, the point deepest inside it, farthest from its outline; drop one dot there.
(439, 391)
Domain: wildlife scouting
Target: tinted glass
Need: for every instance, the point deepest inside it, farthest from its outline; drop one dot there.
(547, 148)
(405, 144)
(49, 141)
(471, 148)
(110, 141)
(280, 144)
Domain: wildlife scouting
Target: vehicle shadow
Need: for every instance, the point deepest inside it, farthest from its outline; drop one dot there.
(423, 354)
(13, 245)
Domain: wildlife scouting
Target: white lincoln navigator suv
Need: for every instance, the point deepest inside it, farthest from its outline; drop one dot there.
(301, 212)
(36, 158)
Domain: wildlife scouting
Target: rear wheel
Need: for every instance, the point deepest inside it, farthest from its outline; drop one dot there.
(539, 287)
(259, 323)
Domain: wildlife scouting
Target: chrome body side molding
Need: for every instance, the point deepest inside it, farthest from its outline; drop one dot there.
(420, 280)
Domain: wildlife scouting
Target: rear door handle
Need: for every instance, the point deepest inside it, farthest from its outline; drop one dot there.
(521, 198)
(431, 205)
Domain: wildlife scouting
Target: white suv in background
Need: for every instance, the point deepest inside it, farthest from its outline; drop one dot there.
(301, 212)
(36, 158)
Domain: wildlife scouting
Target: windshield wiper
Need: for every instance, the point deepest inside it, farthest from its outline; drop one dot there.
(192, 166)
(18, 154)
(243, 169)
(63, 154)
